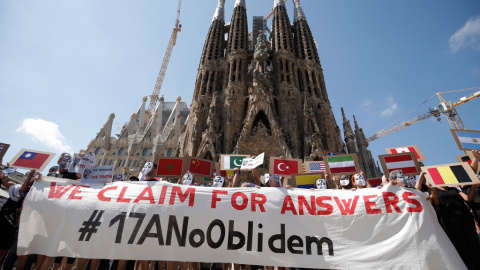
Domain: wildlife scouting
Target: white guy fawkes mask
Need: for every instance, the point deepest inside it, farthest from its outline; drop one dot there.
(344, 180)
(65, 161)
(118, 177)
(400, 177)
(187, 179)
(218, 181)
(321, 184)
(146, 169)
(360, 180)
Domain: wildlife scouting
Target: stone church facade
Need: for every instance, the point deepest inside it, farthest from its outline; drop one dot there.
(254, 93)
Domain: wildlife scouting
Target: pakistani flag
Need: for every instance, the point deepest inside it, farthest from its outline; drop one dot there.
(231, 162)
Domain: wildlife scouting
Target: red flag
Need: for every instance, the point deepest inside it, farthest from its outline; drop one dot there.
(375, 181)
(285, 166)
(407, 149)
(170, 166)
(31, 159)
(200, 166)
(404, 162)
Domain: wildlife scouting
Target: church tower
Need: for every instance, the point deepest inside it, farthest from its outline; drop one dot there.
(270, 99)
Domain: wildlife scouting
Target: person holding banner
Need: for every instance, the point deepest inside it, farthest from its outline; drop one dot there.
(10, 213)
(457, 221)
(44, 262)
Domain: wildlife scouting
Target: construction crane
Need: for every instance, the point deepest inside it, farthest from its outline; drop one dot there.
(166, 59)
(445, 107)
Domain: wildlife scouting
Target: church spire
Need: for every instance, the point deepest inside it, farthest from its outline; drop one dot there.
(240, 3)
(298, 11)
(220, 11)
(348, 134)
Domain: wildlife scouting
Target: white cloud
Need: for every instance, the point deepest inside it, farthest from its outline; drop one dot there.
(467, 36)
(45, 132)
(367, 103)
(392, 107)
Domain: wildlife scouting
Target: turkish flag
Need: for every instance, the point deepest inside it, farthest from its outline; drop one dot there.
(285, 166)
(200, 166)
(170, 166)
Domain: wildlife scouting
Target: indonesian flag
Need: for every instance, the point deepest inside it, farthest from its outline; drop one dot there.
(401, 162)
(200, 166)
(407, 149)
(285, 166)
(170, 166)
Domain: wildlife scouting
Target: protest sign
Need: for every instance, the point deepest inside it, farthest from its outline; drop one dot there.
(199, 166)
(230, 162)
(331, 229)
(284, 166)
(306, 180)
(315, 166)
(76, 159)
(170, 166)
(3, 149)
(341, 164)
(407, 162)
(99, 174)
(31, 159)
(466, 139)
(406, 149)
(452, 174)
(87, 161)
(252, 163)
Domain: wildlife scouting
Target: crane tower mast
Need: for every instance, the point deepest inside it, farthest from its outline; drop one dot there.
(166, 59)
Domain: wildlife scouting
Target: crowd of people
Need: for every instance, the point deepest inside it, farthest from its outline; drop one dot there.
(457, 208)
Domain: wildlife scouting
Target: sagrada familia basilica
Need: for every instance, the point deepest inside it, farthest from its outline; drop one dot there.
(256, 91)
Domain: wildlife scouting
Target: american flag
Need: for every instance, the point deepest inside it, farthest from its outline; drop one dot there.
(315, 167)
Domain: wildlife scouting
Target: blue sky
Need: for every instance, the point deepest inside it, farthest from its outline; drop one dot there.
(66, 65)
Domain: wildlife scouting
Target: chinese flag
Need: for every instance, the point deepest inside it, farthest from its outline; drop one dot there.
(200, 166)
(170, 166)
(285, 166)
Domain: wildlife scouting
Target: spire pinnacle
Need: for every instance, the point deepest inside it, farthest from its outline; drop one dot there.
(298, 11)
(220, 11)
(278, 2)
(240, 3)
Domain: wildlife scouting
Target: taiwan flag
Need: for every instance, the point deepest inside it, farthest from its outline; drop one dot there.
(200, 166)
(286, 166)
(170, 166)
(30, 159)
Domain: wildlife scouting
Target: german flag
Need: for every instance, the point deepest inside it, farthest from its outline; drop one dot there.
(446, 175)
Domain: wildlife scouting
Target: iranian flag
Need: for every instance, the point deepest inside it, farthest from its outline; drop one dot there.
(170, 166)
(341, 164)
(407, 149)
(401, 162)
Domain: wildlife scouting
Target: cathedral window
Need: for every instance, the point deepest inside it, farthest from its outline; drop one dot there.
(169, 152)
(97, 150)
(120, 152)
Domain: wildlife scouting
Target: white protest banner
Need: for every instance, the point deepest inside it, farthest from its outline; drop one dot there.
(252, 163)
(99, 174)
(87, 161)
(388, 228)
